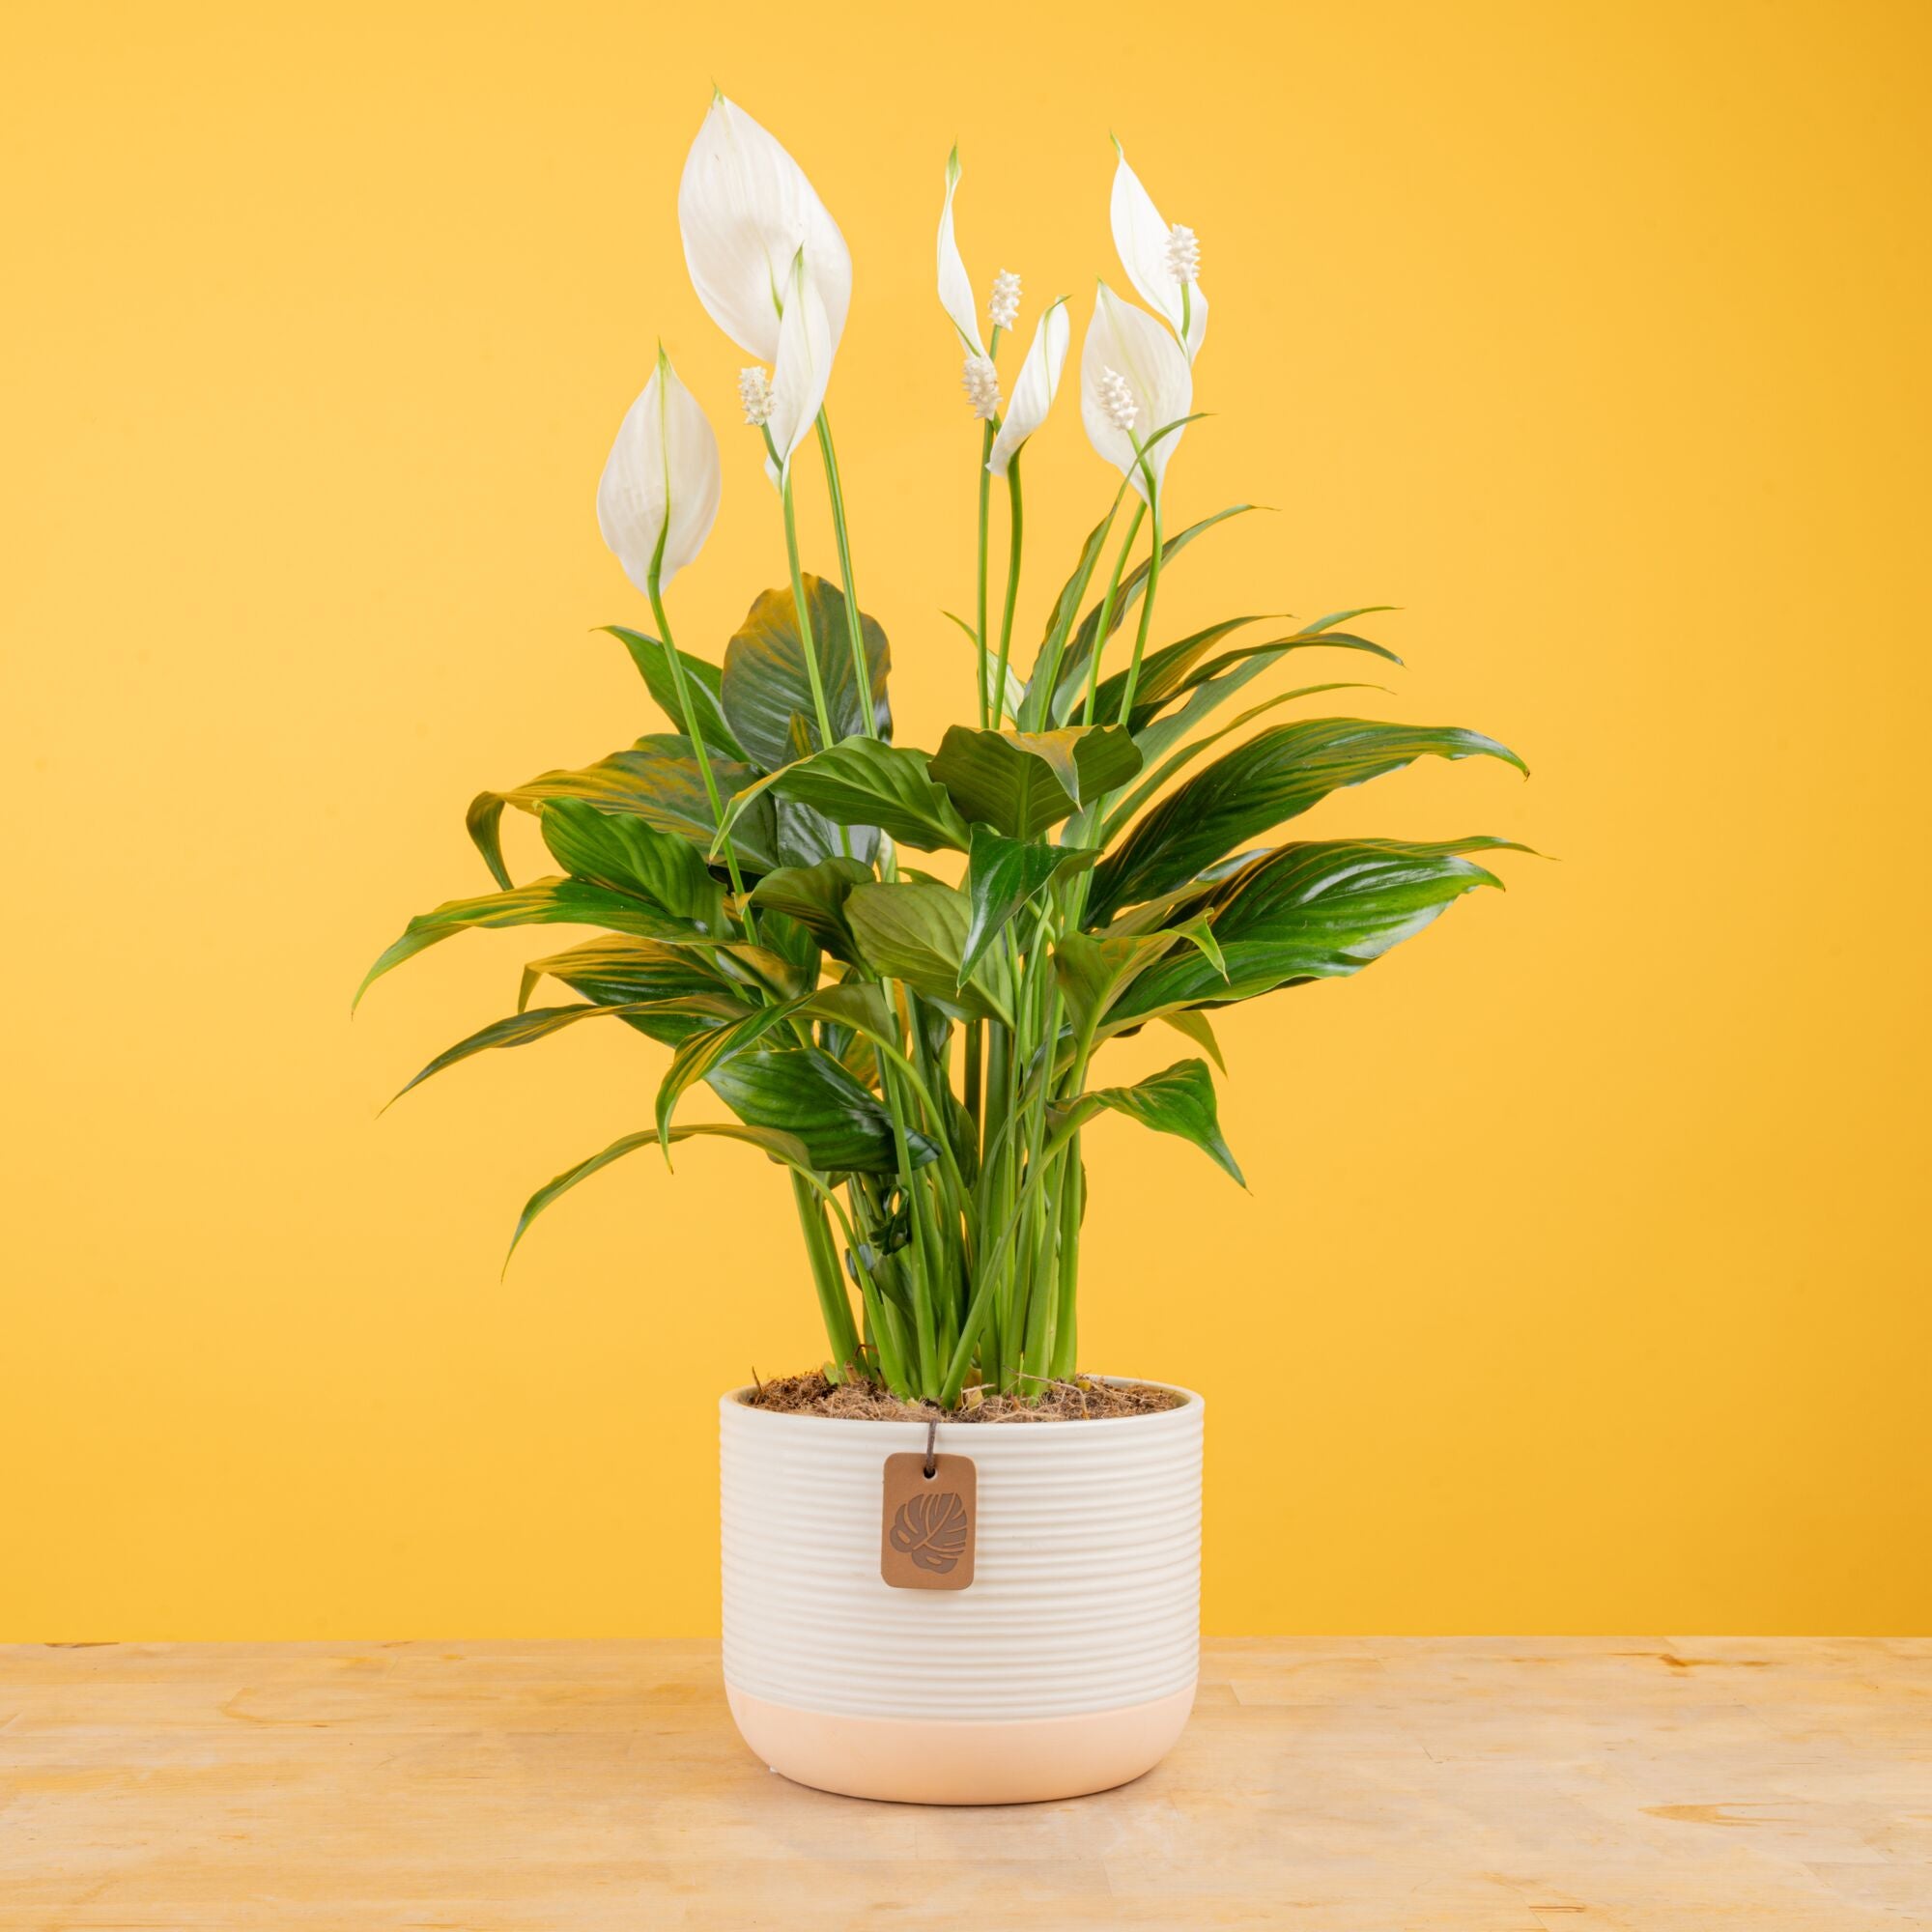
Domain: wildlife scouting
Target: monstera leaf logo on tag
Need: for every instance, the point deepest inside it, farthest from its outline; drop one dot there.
(931, 1531)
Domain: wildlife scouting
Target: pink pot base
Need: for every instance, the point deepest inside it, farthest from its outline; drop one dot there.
(942, 1761)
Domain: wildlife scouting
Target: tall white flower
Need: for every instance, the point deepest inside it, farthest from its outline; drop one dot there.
(746, 210)
(658, 496)
(803, 365)
(1128, 359)
(1163, 262)
(956, 285)
(1039, 383)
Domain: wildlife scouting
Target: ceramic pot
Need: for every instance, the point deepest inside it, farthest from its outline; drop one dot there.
(1066, 1667)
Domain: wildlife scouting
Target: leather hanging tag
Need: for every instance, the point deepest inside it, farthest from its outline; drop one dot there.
(930, 1522)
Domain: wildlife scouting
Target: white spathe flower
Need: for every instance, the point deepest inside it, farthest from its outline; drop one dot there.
(1039, 383)
(802, 366)
(1128, 358)
(1003, 305)
(1161, 261)
(956, 285)
(745, 210)
(658, 496)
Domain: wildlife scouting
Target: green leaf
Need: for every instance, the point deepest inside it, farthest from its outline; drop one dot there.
(804, 1092)
(767, 682)
(618, 850)
(1015, 693)
(703, 1053)
(702, 679)
(1179, 1100)
(1316, 911)
(814, 896)
(1157, 736)
(863, 782)
(648, 980)
(784, 1149)
(917, 933)
(1071, 680)
(1275, 776)
(701, 1012)
(542, 903)
(1162, 670)
(657, 779)
(1022, 782)
(1002, 876)
(1094, 971)
(1031, 710)
(1194, 1024)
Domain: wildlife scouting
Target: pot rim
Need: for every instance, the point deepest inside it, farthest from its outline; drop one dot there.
(1192, 1403)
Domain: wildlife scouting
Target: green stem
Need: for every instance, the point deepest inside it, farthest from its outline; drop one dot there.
(693, 730)
(833, 1304)
(985, 505)
(862, 672)
(1016, 525)
(1105, 624)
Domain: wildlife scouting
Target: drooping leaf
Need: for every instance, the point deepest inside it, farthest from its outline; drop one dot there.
(1178, 1100)
(1023, 783)
(1093, 970)
(1316, 911)
(1002, 874)
(917, 933)
(766, 681)
(814, 896)
(657, 779)
(1070, 682)
(804, 1092)
(542, 903)
(622, 851)
(650, 980)
(703, 1053)
(1194, 1024)
(784, 1149)
(701, 1012)
(1275, 775)
(702, 679)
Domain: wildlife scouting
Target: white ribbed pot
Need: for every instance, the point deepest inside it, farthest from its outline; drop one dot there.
(1066, 1667)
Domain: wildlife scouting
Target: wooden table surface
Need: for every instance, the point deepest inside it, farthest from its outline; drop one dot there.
(1671, 1784)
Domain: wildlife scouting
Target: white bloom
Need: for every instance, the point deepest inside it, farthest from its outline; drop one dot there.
(1034, 393)
(755, 392)
(745, 210)
(981, 382)
(1117, 400)
(1127, 349)
(1003, 307)
(955, 286)
(1154, 257)
(804, 366)
(658, 496)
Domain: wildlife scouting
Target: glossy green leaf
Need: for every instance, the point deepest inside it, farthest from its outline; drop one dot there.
(784, 1149)
(1192, 1023)
(815, 896)
(1316, 911)
(703, 1053)
(1031, 710)
(542, 903)
(917, 933)
(656, 780)
(1070, 682)
(804, 1092)
(650, 980)
(1002, 874)
(702, 1013)
(863, 782)
(1273, 776)
(621, 851)
(1178, 1100)
(1023, 783)
(767, 682)
(703, 680)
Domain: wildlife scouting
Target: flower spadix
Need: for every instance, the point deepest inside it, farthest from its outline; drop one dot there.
(746, 210)
(658, 496)
(1039, 383)
(1133, 380)
(1163, 262)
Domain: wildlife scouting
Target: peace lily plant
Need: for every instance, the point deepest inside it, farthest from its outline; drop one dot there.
(923, 1056)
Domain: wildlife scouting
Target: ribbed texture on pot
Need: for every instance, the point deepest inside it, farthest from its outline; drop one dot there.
(1086, 1590)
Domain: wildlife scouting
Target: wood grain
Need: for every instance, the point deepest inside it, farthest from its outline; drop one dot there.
(1340, 1785)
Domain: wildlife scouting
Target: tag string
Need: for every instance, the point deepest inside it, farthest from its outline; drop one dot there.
(931, 1437)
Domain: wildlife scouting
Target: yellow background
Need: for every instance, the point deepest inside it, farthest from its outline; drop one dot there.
(1582, 1284)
